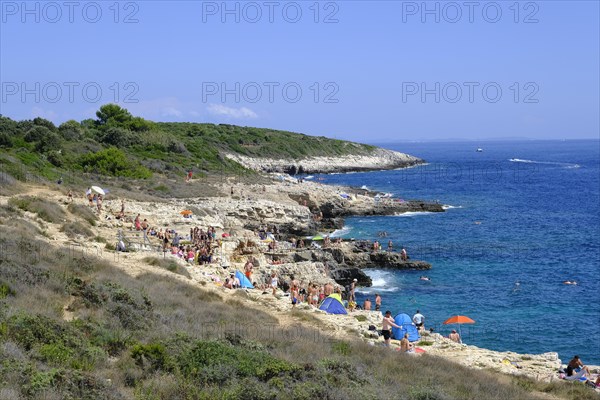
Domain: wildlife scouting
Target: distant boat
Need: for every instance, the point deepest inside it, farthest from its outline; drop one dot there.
(479, 150)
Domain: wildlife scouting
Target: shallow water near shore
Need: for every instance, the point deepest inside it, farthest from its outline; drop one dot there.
(524, 217)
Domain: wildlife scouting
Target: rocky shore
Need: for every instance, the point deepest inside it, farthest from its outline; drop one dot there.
(297, 209)
(378, 159)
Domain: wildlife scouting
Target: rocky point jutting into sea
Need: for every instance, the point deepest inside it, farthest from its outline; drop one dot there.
(378, 159)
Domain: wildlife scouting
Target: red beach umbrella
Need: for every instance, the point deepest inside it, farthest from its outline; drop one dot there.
(459, 320)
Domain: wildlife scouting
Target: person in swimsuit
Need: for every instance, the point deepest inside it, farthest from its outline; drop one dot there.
(294, 294)
(377, 302)
(575, 365)
(386, 330)
(90, 197)
(274, 282)
(99, 203)
(405, 345)
(454, 336)
(248, 270)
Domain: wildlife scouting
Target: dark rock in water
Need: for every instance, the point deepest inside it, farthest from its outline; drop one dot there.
(404, 265)
(393, 260)
(360, 255)
(345, 275)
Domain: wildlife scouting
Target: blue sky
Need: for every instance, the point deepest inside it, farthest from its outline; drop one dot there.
(372, 71)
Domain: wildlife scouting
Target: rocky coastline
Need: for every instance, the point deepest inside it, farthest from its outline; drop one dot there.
(378, 159)
(297, 209)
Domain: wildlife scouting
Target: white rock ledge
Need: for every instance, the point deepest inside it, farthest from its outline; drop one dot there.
(379, 159)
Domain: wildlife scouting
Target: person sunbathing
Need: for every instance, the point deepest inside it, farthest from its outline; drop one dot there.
(575, 366)
(405, 345)
(454, 336)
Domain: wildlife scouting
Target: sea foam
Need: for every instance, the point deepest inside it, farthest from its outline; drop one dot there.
(560, 164)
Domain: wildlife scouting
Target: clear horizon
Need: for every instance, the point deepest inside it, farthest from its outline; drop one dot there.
(361, 71)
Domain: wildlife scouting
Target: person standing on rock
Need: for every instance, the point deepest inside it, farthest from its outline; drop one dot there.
(274, 282)
(90, 197)
(294, 294)
(386, 329)
(419, 320)
(377, 302)
(403, 255)
(99, 203)
(390, 246)
(351, 296)
(367, 305)
(248, 269)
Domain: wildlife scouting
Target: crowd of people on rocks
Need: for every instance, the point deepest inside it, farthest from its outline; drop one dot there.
(200, 245)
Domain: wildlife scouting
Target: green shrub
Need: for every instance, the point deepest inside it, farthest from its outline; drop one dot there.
(5, 139)
(5, 290)
(162, 188)
(42, 380)
(55, 353)
(56, 343)
(30, 331)
(360, 318)
(342, 348)
(152, 356)
(217, 362)
(426, 393)
(92, 294)
(113, 162)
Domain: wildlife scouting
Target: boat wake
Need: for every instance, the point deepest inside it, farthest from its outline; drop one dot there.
(560, 164)
(413, 213)
(448, 207)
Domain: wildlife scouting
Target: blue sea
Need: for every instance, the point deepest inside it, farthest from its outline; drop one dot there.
(522, 217)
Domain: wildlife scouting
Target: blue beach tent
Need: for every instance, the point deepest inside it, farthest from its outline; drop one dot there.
(333, 305)
(407, 326)
(244, 281)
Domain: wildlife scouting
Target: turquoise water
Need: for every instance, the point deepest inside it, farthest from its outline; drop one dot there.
(524, 216)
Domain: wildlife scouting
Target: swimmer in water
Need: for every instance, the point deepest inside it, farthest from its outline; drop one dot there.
(570, 282)
(424, 278)
(517, 286)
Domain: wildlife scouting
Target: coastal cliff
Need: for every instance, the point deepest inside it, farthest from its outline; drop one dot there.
(377, 159)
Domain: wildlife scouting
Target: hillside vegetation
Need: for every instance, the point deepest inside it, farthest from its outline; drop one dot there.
(118, 144)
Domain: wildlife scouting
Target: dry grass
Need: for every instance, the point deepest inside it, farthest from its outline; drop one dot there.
(75, 229)
(168, 264)
(46, 210)
(84, 212)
